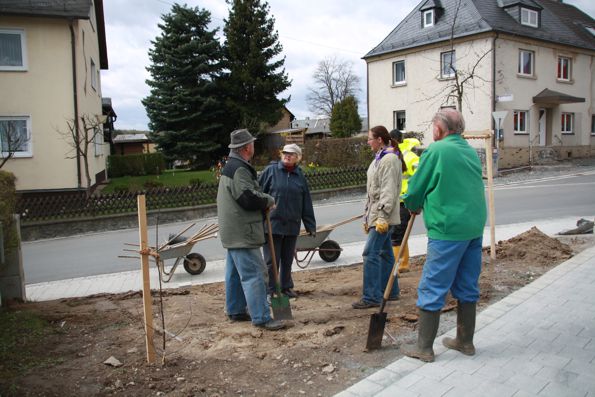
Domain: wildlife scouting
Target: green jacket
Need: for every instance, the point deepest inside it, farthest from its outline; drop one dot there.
(449, 187)
(241, 205)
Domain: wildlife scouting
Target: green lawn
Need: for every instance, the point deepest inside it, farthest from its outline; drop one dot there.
(171, 178)
(168, 178)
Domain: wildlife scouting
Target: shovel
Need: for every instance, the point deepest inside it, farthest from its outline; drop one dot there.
(279, 302)
(378, 320)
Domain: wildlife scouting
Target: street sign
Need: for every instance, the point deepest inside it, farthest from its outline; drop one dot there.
(498, 118)
(504, 98)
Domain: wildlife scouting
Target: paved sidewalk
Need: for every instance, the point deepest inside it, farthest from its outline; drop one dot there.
(538, 341)
(215, 270)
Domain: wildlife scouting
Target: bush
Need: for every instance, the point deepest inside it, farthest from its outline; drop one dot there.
(152, 184)
(8, 199)
(337, 152)
(195, 182)
(136, 164)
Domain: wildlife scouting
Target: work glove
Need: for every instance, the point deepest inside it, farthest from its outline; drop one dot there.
(381, 225)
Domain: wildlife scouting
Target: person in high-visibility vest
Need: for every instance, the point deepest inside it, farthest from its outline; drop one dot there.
(411, 161)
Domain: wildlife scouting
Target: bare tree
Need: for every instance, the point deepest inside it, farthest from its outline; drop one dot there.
(463, 80)
(334, 80)
(13, 139)
(82, 139)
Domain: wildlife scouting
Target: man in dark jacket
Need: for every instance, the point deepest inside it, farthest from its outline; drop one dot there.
(240, 208)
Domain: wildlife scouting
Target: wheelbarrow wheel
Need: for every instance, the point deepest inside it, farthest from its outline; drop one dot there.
(195, 263)
(329, 251)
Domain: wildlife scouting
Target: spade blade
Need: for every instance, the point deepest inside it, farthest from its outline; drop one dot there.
(376, 331)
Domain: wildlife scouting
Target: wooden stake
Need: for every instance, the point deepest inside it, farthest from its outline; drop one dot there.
(487, 137)
(489, 166)
(147, 303)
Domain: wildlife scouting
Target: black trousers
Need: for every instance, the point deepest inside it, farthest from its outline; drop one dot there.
(285, 249)
(399, 230)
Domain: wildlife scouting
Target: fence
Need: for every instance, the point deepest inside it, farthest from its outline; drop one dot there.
(78, 205)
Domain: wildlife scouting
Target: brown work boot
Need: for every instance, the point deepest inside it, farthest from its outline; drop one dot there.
(426, 333)
(465, 330)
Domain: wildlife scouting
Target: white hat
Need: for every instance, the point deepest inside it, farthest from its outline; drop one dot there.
(292, 148)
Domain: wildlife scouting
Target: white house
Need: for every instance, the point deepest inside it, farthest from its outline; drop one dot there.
(533, 59)
(51, 53)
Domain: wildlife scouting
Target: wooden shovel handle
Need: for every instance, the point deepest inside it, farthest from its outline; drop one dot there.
(393, 274)
(273, 253)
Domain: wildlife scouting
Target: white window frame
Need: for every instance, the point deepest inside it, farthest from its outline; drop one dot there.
(529, 17)
(23, 37)
(93, 75)
(522, 55)
(565, 118)
(516, 124)
(453, 62)
(396, 118)
(395, 74)
(28, 152)
(427, 23)
(98, 140)
(561, 60)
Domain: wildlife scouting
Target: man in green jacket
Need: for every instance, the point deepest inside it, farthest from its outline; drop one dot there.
(240, 208)
(448, 186)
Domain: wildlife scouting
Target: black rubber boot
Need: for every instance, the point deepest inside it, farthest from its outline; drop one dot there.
(426, 333)
(465, 330)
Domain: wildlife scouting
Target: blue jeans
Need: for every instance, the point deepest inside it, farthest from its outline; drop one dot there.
(450, 265)
(245, 284)
(378, 264)
(284, 250)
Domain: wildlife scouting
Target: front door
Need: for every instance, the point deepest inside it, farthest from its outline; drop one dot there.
(542, 126)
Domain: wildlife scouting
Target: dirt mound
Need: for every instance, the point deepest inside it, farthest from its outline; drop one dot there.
(533, 246)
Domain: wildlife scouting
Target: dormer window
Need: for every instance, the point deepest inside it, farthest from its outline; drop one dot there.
(529, 17)
(428, 19)
(431, 12)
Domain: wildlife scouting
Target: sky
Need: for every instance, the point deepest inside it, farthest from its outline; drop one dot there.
(309, 31)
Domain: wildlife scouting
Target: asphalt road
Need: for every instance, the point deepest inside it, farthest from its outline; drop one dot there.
(97, 253)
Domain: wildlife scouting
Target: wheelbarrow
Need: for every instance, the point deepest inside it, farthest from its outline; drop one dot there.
(178, 247)
(328, 250)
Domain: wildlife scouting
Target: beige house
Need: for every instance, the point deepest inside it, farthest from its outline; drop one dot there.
(51, 53)
(532, 61)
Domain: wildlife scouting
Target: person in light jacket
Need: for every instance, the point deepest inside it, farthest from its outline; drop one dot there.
(381, 214)
(285, 181)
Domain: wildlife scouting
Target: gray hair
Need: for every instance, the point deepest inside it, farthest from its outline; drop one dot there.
(451, 119)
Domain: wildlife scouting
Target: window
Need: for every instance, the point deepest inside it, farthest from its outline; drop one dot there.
(564, 68)
(399, 72)
(97, 141)
(525, 63)
(15, 137)
(93, 75)
(593, 124)
(12, 50)
(447, 64)
(520, 121)
(529, 17)
(428, 18)
(566, 126)
(399, 120)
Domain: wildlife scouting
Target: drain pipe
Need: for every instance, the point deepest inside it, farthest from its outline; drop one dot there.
(75, 101)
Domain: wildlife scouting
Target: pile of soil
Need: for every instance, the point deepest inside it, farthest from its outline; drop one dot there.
(321, 354)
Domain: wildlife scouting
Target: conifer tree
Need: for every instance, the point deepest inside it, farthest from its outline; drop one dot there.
(184, 106)
(255, 75)
(345, 120)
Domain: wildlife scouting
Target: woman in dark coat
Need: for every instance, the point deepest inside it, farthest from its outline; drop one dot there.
(285, 181)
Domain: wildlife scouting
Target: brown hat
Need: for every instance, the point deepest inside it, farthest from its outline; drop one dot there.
(240, 138)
